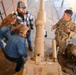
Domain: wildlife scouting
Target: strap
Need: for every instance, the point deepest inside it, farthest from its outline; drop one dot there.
(68, 24)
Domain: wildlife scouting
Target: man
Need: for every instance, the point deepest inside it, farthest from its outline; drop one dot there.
(65, 30)
(24, 17)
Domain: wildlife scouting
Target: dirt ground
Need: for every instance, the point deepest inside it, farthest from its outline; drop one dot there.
(6, 67)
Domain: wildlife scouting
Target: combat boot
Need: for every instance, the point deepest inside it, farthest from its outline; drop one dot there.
(30, 48)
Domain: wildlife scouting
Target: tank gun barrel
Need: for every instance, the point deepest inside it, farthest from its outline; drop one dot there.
(39, 40)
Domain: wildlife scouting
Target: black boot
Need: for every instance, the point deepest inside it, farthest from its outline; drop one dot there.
(30, 48)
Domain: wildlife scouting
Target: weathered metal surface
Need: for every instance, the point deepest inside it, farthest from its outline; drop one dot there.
(39, 40)
(54, 50)
(39, 66)
(43, 68)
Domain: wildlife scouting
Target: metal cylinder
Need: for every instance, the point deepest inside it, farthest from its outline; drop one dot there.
(39, 40)
(54, 50)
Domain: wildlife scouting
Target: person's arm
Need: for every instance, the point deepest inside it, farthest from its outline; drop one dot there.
(71, 27)
(15, 27)
(67, 30)
(31, 22)
(21, 46)
(75, 29)
(54, 27)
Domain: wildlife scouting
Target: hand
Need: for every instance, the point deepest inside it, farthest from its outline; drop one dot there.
(67, 30)
(30, 29)
(52, 28)
(13, 29)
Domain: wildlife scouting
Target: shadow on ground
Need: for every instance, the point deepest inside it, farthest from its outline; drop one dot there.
(6, 67)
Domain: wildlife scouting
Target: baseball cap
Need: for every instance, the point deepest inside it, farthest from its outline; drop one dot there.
(21, 5)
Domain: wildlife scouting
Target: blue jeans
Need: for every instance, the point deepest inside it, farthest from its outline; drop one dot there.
(1, 44)
(19, 62)
(28, 37)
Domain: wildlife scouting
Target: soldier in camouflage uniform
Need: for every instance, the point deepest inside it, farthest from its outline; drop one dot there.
(65, 30)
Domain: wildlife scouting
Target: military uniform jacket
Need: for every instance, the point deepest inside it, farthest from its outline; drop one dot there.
(61, 27)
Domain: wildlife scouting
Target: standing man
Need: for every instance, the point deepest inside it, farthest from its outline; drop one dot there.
(65, 30)
(24, 17)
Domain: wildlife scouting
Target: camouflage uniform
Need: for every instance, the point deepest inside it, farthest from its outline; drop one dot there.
(62, 38)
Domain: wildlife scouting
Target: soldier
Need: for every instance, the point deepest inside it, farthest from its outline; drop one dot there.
(65, 30)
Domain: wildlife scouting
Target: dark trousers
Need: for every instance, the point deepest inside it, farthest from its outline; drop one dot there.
(19, 62)
(28, 37)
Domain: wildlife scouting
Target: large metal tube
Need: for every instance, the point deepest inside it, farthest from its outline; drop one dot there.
(25, 2)
(39, 40)
(54, 50)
